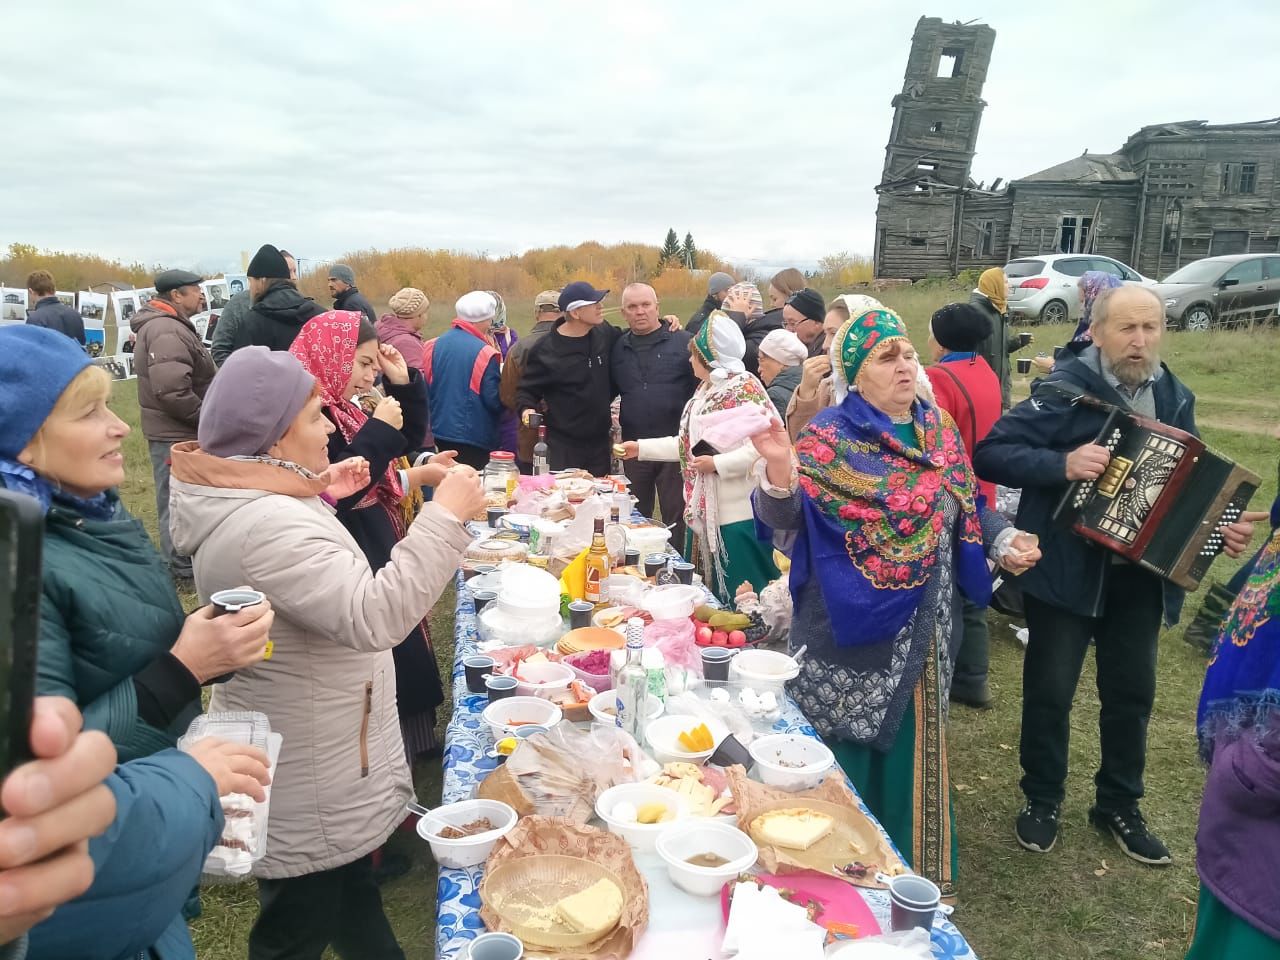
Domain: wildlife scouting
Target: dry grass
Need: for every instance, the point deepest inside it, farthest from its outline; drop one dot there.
(1083, 900)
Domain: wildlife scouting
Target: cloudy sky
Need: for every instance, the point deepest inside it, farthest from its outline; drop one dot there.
(501, 125)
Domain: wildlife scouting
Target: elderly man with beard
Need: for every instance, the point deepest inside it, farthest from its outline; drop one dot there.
(1079, 593)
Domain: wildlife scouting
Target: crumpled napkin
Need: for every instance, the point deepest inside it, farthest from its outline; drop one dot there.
(764, 926)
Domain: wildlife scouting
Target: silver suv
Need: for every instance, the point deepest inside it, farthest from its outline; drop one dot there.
(1046, 288)
(1222, 291)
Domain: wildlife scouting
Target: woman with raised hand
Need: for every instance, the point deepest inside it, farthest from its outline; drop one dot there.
(721, 537)
(252, 504)
(884, 505)
(341, 350)
(113, 636)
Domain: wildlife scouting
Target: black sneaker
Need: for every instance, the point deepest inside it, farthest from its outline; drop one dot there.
(1037, 826)
(1131, 833)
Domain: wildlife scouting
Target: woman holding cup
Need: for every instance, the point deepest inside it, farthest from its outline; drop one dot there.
(248, 507)
(884, 505)
(113, 638)
(341, 351)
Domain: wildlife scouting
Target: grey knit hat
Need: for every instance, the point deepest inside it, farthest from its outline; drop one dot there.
(719, 283)
(252, 401)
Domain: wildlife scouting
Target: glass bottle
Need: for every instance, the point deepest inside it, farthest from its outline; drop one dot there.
(541, 456)
(615, 538)
(633, 682)
(597, 564)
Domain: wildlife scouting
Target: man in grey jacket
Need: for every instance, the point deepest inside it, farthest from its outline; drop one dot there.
(174, 371)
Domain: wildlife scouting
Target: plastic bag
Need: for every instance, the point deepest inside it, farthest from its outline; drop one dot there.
(564, 770)
(675, 640)
(913, 944)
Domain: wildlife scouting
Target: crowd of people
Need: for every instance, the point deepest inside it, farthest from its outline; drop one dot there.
(328, 458)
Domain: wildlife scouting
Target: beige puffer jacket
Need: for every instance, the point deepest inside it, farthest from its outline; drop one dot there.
(330, 687)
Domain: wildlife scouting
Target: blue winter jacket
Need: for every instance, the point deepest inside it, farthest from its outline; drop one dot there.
(463, 372)
(1027, 449)
(168, 818)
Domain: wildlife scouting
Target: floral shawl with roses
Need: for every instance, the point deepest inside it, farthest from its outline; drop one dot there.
(872, 518)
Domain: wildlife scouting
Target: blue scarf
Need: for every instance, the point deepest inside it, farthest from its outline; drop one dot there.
(872, 525)
(22, 479)
(1242, 685)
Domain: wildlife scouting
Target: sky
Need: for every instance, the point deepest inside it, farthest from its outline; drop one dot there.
(184, 134)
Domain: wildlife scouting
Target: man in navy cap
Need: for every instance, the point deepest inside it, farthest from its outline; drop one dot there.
(174, 371)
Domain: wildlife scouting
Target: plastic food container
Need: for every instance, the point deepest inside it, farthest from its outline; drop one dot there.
(466, 851)
(495, 627)
(698, 836)
(663, 735)
(507, 716)
(643, 837)
(763, 670)
(597, 681)
(648, 539)
(673, 601)
(603, 708)
(791, 761)
(543, 679)
(244, 834)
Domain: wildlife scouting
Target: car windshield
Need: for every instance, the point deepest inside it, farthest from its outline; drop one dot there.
(1202, 271)
(1023, 268)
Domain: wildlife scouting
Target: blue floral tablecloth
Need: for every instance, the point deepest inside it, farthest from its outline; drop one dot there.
(467, 741)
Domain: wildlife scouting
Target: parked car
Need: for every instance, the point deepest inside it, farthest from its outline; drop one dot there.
(1222, 291)
(1046, 288)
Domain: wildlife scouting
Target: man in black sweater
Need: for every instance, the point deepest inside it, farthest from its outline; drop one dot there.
(652, 374)
(346, 295)
(568, 380)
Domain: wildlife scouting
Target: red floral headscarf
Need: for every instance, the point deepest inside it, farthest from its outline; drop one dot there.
(326, 347)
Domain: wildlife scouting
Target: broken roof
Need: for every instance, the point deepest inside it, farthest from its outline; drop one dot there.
(1086, 168)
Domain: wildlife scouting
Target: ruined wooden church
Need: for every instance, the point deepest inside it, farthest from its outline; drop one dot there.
(1175, 192)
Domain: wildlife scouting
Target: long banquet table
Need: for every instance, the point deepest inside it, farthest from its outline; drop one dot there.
(681, 927)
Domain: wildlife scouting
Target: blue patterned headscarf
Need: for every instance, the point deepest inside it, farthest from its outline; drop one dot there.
(1242, 685)
(20, 478)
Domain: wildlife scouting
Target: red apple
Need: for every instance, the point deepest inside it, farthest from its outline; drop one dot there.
(737, 638)
(704, 635)
(719, 639)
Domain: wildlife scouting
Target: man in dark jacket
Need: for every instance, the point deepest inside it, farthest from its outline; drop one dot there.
(567, 379)
(652, 374)
(717, 284)
(49, 311)
(803, 314)
(1080, 592)
(174, 371)
(227, 332)
(546, 311)
(279, 310)
(346, 295)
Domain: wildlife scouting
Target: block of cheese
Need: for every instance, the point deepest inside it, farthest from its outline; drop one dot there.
(796, 828)
(594, 911)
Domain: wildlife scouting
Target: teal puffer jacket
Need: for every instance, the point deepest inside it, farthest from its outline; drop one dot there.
(109, 609)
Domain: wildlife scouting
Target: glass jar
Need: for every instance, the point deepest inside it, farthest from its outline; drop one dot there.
(500, 478)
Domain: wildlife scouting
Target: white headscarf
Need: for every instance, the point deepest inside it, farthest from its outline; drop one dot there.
(722, 338)
(857, 304)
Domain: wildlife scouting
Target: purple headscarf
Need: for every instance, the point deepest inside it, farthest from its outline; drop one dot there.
(1091, 284)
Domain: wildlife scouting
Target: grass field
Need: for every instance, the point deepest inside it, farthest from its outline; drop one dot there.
(1082, 901)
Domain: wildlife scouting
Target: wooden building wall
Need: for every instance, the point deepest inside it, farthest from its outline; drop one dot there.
(1038, 209)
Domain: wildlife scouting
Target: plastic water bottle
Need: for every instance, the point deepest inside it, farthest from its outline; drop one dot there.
(633, 682)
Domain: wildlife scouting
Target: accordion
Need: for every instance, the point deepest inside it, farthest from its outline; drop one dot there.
(1162, 501)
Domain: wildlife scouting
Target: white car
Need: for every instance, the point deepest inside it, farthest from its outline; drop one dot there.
(1046, 288)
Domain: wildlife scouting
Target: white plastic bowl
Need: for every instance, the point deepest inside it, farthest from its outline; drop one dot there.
(643, 837)
(763, 669)
(663, 735)
(499, 714)
(603, 703)
(543, 679)
(648, 539)
(694, 837)
(791, 761)
(468, 851)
